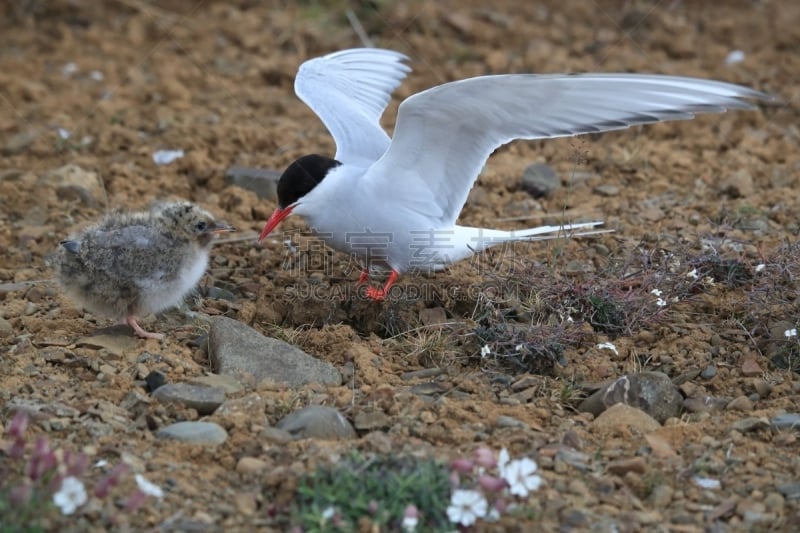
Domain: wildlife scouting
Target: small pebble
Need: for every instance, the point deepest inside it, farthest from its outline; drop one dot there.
(709, 372)
(540, 180)
(742, 403)
(154, 380)
(250, 465)
(786, 421)
(750, 368)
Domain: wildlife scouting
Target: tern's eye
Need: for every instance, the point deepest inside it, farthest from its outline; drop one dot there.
(201, 226)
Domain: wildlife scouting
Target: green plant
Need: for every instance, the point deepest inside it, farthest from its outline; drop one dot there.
(376, 489)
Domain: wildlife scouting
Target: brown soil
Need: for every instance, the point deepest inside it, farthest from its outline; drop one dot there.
(215, 79)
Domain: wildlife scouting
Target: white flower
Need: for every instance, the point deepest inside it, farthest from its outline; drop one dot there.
(328, 513)
(502, 460)
(409, 523)
(518, 348)
(693, 274)
(485, 351)
(657, 292)
(151, 489)
(608, 346)
(521, 476)
(466, 506)
(760, 267)
(790, 333)
(71, 495)
(661, 302)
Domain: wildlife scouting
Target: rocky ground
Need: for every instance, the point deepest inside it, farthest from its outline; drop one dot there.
(704, 211)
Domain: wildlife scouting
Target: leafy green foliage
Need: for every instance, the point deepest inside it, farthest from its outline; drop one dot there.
(374, 490)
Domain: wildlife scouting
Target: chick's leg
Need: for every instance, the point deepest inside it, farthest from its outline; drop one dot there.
(131, 321)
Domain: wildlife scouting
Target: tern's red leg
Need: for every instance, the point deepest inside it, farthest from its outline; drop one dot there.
(380, 294)
(131, 320)
(363, 277)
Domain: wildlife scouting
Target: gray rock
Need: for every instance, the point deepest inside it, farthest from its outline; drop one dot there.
(790, 491)
(275, 435)
(203, 433)
(505, 421)
(317, 422)
(574, 459)
(204, 400)
(706, 404)
(746, 425)
(709, 372)
(261, 181)
(235, 348)
(652, 392)
(540, 180)
(786, 421)
(607, 190)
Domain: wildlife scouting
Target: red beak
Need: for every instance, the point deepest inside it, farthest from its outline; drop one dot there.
(277, 216)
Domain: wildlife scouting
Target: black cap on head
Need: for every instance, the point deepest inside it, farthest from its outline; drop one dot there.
(301, 176)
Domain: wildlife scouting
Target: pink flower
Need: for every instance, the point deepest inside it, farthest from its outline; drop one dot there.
(485, 457)
(107, 482)
(135, 501)
(410, 518)
(18, 425)
(492, 483)
(462, 465)
(21, 495)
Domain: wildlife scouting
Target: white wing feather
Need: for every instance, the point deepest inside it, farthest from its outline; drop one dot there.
(349, 90)
(444, 135)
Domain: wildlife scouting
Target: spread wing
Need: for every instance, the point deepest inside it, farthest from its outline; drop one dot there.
(444, 135)
(349, 90)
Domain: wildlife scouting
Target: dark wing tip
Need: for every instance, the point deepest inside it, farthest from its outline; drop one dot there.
(71, 246)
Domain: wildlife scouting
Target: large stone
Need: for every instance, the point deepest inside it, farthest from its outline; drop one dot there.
(73, 183)
(318, 422)
(202, 399)
(652, 392)
(203, 433)
(236, 348)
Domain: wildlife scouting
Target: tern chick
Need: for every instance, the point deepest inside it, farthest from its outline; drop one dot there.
(135, 264)
(393, 203)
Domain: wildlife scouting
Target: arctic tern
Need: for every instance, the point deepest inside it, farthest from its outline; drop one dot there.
(393, 203)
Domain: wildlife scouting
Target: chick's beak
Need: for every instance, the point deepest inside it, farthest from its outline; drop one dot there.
(277, 216)
(221, 227)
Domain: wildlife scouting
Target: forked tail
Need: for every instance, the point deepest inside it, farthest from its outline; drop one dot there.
(479, 239)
